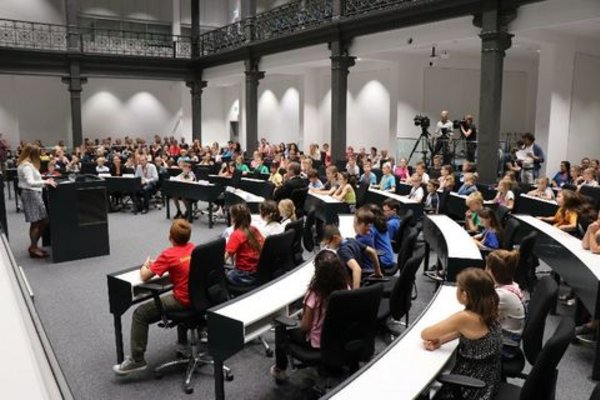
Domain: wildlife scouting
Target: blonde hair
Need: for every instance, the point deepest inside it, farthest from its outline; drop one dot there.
(474, 197)
(287, 209)
(31, 153)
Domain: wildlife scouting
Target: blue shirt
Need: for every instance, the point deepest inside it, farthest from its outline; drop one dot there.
(490, 239)
(372, 178)
(354, 249)
(393, 224)
(383, 245)
(466, 190)
(387, 182)
(316, 184)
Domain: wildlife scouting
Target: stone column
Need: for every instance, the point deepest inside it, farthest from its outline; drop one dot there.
(340, 67)
(196, 86)
(495, 40)
(75, 82)
(73, 34)
(195, 28)
(248, 16)
(253, 77)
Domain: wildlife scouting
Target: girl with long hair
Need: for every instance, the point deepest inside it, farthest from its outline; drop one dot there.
(489, 239)
(330, 275)
(566, 216)
(478, 332)
(31, 185)
(243, 246)
(345, 192)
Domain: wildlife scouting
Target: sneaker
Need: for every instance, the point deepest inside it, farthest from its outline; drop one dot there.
(589, 338)
(128, 366)
(278, 374)
(584, 329)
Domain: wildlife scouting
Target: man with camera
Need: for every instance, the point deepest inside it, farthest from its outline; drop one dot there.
(443, 135)
(468, 131)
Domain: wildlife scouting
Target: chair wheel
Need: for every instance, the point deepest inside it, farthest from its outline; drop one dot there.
(188, 390)
(228, 376)
(269, 353)
(157, 375)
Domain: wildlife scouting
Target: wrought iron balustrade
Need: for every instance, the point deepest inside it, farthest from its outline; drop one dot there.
(355, 7)
(291, 17)
(32, 35)
(225, 38)
(141, 44)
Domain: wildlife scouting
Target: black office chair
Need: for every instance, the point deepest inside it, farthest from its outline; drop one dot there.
(207, 288)
(443, 206)
(405, 253)
(361, 193)
(525, 274)
(541, 382)
(502, 214)
(596, 393)
(542, 301)
(298, 227)
(298, 197)
(407, 221)
(309, 235)
(400, 300)
(510, 233)
(348, 335)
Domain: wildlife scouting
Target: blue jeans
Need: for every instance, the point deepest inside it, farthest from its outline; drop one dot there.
(240, 278)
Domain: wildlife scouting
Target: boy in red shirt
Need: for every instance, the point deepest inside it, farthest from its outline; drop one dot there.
(176, 261)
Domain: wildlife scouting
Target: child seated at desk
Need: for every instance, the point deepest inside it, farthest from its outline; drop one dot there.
(445, 173)
(314, 181)
(377, 237)
(416, 192)
(505, 196)
(176, 261)
(478, 332)
(241, 166)
(388, 181)
(501, 265)
(368, 175)
(420, 170)
(591, 239)
(345, 192)
(474, 205)
(330, 275)
(542, 191)
(259, 165)
(588, 178)
(269, 214)
(287, 211)
(101, 167)
(432, 201)
(401, 170)
(332, 182)
(52, 171)
(227, 169)
(243, 247)
(276, 177)
(351, 251)
(566, 215)
(489, 238)
(391, 209)
(468, 186)
(186, 175)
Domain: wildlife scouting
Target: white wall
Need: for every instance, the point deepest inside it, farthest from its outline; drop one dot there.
(146, 10)
(279, 109)
(584, 132)
(48, 11)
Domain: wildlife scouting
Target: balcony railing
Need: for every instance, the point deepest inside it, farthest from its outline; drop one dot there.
(32, 35)
(139, 44)
(292, 17)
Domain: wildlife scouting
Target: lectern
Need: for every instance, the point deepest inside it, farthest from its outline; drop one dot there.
(78, 218)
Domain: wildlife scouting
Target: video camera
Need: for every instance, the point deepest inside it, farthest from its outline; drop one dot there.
(422, 121)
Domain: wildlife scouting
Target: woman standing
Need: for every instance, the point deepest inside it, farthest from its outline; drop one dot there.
(31, 184)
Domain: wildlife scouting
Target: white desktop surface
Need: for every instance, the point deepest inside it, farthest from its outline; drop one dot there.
(407, 368)
(539, 199)
(24, 372)
(268, 299)
(401, 199)
(346, 226)
(246, 196)
(458, 242)
(485, 202)
(324, 197)
(591, 260)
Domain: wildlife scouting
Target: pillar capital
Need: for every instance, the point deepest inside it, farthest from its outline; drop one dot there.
(196, 86)
(342, 62)
(75, 83)
(252, 72)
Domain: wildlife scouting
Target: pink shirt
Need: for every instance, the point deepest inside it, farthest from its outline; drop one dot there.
(313, 301)
(401, 173)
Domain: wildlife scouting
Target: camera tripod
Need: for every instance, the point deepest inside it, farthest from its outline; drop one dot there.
(425, 144)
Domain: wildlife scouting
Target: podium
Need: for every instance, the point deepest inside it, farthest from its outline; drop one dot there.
(78, 219)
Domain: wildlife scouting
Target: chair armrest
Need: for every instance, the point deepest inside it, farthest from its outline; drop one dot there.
(461, 380)
(373, 279)
(155, 289)
(152, 287)
(287, 321)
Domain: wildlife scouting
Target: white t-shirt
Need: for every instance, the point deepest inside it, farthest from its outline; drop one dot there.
(511, 311)
(441, 125)
(416, 194)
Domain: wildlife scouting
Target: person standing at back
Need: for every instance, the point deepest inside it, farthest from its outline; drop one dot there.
(176, 261)
(146, 171)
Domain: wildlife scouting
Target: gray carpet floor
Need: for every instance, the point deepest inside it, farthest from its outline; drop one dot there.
(72, 301)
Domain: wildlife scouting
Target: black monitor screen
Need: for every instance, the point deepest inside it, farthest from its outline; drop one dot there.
(91, 206)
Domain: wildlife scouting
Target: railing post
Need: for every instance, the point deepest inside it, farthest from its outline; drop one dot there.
(248, 19)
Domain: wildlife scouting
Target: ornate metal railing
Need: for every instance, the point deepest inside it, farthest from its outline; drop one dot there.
(291, 17)
(139, 44)
(355, 7)
(32, 35)
(226, 38)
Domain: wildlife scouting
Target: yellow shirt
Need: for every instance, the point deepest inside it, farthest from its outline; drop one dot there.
(565, 217)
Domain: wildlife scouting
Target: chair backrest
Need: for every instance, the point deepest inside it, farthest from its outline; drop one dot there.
(542, 300)
(509, 234)
(596, 393)
(207, 284)
(502, 214)
(298, 197)
(275, 256)
(350, 326)
(405, 224)
(401, 296)
(525, 274)
(361, 193)
(298, 227)
(541, 381)
(309, 238)
(443, 205)
(378, 174)
(407, 248)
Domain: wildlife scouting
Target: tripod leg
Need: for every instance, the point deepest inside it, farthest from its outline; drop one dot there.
(414, 149)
